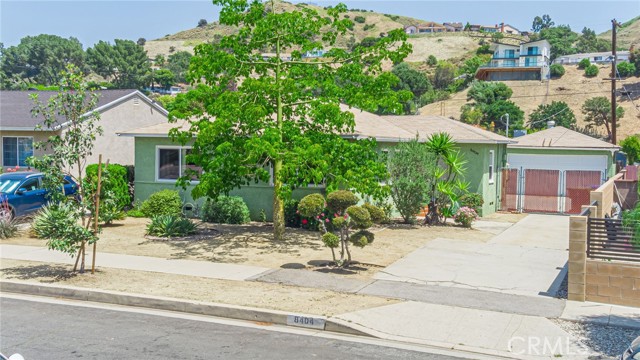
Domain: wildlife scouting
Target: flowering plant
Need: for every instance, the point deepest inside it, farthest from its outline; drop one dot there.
(465, 216)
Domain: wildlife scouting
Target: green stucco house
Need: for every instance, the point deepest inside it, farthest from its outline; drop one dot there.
(159, 161)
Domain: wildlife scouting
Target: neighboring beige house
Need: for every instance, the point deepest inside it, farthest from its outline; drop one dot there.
(508, 29)
(411, 29)
(119, 110)
(454, 26)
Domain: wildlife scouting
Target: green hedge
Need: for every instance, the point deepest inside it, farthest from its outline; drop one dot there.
(114, 182)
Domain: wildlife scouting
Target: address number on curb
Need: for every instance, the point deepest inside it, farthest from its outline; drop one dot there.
(305, 321)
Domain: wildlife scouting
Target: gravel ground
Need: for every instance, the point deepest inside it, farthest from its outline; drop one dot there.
(608, 342)
(563, 290)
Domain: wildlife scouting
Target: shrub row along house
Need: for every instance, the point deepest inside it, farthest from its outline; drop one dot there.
(545, 171)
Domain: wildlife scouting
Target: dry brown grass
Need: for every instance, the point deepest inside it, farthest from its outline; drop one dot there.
(573, 88)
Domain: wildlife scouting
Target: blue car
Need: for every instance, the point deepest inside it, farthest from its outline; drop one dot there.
(25, 194)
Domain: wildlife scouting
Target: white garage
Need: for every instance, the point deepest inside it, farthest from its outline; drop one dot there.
(553, 171)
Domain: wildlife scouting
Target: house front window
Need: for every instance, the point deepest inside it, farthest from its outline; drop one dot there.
(533, 50)
(492, 162)
(171, 163)
(510, 54)
(16, 150)
(509, 63)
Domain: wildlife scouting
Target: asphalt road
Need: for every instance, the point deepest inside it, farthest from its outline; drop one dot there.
(68, 330)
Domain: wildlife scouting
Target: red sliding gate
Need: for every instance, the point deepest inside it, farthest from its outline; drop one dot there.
(547, 191)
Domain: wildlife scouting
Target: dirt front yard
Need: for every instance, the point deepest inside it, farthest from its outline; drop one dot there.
(252, 244)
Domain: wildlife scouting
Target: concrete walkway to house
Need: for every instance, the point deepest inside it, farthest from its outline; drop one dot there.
(479, 321)
(527, 258)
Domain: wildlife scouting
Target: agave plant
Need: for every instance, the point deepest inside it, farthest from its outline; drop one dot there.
(171, 226)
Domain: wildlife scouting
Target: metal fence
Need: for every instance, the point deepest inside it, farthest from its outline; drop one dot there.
(608, 239)
(548, 191)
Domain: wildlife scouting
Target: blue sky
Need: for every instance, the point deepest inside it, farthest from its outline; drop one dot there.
(91, 21)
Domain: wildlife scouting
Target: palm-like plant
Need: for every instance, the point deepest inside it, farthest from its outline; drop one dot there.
(447, 186)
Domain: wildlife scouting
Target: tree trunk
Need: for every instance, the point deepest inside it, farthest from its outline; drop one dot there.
(278, 204)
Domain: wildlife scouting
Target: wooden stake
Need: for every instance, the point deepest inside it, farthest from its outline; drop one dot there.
(97, 213)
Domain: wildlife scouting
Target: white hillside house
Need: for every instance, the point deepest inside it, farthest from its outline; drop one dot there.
(527, 61)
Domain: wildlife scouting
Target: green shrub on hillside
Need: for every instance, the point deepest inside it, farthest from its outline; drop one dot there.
(584, 63)
(359, 19)
(591, 71)
(557, 70)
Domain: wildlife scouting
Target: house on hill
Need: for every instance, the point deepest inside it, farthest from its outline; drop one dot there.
(430, 27)
(118, 109)
(159, 160)
(554, 170)
(527, 61)
(594, 58)
(454, 26)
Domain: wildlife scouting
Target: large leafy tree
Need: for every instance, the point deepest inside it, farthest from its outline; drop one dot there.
(557, 111)
(597, 113)
(561, 39)
(248, 114)
(588, 42)
(492, 100)
(541, 23)
(178, 63)
(124, 63)
(39, 59)
(631, 146)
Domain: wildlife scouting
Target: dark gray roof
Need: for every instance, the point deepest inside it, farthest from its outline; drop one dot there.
(15, 106)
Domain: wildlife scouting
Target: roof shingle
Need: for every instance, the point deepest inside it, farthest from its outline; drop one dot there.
(15, 106)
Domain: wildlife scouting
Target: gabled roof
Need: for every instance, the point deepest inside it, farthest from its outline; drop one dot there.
(383, 128)
(427, 125)
(561, 138)
(15, 106)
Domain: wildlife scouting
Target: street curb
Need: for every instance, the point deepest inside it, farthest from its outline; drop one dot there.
(171, 304)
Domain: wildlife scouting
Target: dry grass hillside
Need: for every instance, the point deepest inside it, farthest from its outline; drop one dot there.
(441, 45)
(573, 88)
(628, 34)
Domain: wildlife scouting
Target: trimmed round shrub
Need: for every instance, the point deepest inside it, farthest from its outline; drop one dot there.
(115, 183)
(171, 226)
(362, 238)
(584, 63)
(163, 202)
(473, 201)
(340, 200)
(556, 70)
(331, 240)
(591, 70)
(359, 216)
(226, 210)
(377, 214)
(311, 205)
(338, 222)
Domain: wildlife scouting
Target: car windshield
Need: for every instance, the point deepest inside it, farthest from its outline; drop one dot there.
(8, 185)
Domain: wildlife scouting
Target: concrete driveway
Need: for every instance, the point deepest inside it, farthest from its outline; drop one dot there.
(525, 259)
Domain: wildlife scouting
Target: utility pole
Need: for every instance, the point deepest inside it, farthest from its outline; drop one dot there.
(614, 72)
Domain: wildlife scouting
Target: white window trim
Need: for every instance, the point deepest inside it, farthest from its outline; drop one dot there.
(17, 149)
(492, 166)
(180, 160)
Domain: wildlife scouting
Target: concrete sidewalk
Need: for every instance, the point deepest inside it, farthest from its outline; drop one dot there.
(484, 322)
